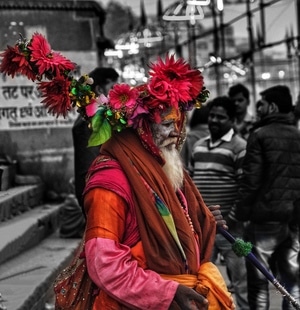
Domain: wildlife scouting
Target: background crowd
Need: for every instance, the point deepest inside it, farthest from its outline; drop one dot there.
(250, 165)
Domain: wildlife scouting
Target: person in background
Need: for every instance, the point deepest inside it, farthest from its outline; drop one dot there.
(244, 120)
(269, 196)
(297, 112)
(104, 78)
(149, 235)
(198, 128)
(217, 169)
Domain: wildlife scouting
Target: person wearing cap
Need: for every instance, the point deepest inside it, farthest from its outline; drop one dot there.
(149, 235)
(269, 193)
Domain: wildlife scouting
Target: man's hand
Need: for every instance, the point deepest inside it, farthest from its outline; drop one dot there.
(187, 299)
(215, 210)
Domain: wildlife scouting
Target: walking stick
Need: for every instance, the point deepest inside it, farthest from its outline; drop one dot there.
(242, 248)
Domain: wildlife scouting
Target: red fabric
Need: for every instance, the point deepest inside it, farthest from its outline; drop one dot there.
(158, 244)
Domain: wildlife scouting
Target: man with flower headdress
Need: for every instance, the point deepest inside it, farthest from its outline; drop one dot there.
(149, 235)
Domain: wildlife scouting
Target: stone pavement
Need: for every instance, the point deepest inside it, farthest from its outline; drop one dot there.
(31, 251)
(275, 296)
(26, 281)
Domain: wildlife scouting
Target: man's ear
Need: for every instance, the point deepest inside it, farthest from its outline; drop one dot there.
(273, 108)
(98, 90)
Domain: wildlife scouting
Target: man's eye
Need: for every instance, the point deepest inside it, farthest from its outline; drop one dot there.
(167, 124)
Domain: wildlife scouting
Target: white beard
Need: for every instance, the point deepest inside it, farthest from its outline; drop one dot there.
(173, 167)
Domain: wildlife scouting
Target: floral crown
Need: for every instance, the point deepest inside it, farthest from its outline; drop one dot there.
(172, 84)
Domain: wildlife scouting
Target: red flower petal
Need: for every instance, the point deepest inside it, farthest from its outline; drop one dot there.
(14, 62)
(47, 60)
(184, 83)
(56, 94)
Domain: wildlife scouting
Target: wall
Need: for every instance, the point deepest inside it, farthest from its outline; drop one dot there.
(41, 143)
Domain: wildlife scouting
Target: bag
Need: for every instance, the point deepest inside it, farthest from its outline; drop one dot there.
(73, 288)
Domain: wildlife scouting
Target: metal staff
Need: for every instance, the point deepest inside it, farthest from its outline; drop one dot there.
(242, 248)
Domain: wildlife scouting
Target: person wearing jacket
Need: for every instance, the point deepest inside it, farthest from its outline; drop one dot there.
(268, 196)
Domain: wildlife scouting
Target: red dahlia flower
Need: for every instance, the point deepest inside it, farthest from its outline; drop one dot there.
(56, 94)
(14, 61)
(184, 83)
(47, 60)
(123, 96)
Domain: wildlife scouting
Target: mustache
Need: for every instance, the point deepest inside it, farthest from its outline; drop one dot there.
(168, 141)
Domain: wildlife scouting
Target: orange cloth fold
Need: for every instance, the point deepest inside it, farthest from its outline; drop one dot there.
(210, 283)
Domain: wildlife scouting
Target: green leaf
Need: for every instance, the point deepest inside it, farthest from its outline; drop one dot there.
(101, 130)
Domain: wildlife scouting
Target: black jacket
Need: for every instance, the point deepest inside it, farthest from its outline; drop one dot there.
(270, 186)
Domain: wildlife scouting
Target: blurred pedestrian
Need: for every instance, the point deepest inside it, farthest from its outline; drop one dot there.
(268, 196)
(72, 221)
(297, 112)
(217, 161)
(197, 129)
(240, 95)
(103, 79)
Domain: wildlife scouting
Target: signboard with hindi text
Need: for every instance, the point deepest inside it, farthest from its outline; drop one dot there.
(21, 107)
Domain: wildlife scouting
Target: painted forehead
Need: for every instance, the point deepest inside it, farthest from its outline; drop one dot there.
(171, 114)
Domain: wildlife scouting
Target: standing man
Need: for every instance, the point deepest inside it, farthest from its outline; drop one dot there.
(198, 128)
(217, 161)
(103, 79)
(244, 120)
(72, 218)
(149, 235)
(268, 196)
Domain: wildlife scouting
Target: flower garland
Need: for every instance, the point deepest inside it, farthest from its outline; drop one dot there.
(171, 84)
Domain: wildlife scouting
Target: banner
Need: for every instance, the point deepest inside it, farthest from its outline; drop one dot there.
(21, 107)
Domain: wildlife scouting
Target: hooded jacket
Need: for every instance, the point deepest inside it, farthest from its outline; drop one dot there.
(271, 181)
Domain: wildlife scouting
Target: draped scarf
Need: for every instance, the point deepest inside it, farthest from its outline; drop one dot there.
(161, 252)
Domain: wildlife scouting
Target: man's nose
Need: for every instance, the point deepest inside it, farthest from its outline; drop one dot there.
(214, 119)
(175, 130)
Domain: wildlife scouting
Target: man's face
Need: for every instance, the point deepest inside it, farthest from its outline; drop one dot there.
(262, 108)
(219, 122)
(241, 103)
(105, 88)
(166, 133)
(165, 136)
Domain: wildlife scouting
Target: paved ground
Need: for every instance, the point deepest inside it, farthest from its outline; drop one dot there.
(275, 296)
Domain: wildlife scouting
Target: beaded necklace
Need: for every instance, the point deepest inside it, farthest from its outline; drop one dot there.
(184, 207)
